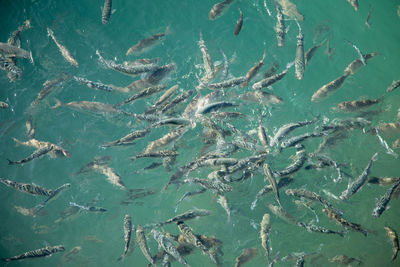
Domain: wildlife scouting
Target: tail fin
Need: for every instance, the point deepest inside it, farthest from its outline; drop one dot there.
(19, 143)
(50, 32)
(58, 103)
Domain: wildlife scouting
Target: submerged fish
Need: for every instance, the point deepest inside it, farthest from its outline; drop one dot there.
(354, 4)
(106, 12)
(382, 203)
(299, 60)
(95, 85)
(355, 105)
(254, 70)
(290, 10)
(395, 241)
(272, 181)
(265, 228)
(280, 27)
(217, 10)
(129, 138)
(28, 188)
(207, 61)
(128, 227)
(356, 64)
(329, 88)
(223, 201)
(239, 24)
(36, 154)
(310, 52)
(141, 240)
(64, 51)
(247, 255)
(96, 107)
(271, 79)
(339, 219)
(147, 43)
(318, 229)
(393, 86)
(42, 252)
(14, 51)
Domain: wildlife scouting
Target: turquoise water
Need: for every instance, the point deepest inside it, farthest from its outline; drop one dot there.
(77, 25)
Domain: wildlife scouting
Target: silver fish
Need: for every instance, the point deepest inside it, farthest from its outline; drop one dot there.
(180, 98)
(106, 12)
(329, 88)
(284, 181)
(48, 87)
(318, 229)
(271, 79)
(310, 52)
(147, 43)
(297, 163)
(223, 201)
(217, 10)
(13, 72)
(360, 181)
(171, 91)
(281, 213)
(213, 184)
(95, 85)
(28, 188)
(356, 64)
(129, 138)
(146, 92)
(36, 154)
(208, 63)
(262, 135)
(393, 86)
(156, 154)
(141, 240)
(382, 203)
(64, 51)
(280, 27)
(339, 219)
(265, 228)
(128, 227)
(299, 61)
(42, 252)
(351, 106)
(300, 138)
(354, 4)
(272, 181)
(14, 51)
(165, 140)
(96, 107)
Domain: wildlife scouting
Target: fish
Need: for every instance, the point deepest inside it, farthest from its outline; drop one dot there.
(311, 52)
(70, 255)
(164, 242)
(393, 86)
(128, 227)
(207, 60)
(385, 145)
(330, 51)
(95, 85)
(152, 78)
(14, 51)
(298, 162)
(157, 154)
(239, 24)
(272, 70)
(129, 138)
(356, 64)
(299, 61)
(37, 253)
(247, 255)
(141, 240)
(272, 79)
(396, 143)
(300, 138)
(289, 9)
(360, 55)
(36, 154)
(318, 229)
(389, 127)
(395, 240)
(88, 208)
(146, 92)
(106, 12)
(189, 194)
(225, 66)
(56, 194)
(57, 151)
(216, 105)
(262, 135)
(3, 105)
(48, 87)
(193, 239)
(284, 181)
(176, 100)
(13, 71)
(177, 121)
(254, 70)
(168, 93)
(343, 259)
(284, 130)
(218, 9)
(272, 181)
(368, 17)
(223, 201)
(340, 220)
(329, 88)
(356, 185)
(265, 228)
(382, 203)
(354, 4)
(280, 27)
(165, 140)
(91, 106)
(355, 105)
(147, 43)
(302, 193)
(187, 215)
(28, 188)
(15, 38)
(64, 51)
(383, 180)
(127, 70)
(213, 184)
(281, 213)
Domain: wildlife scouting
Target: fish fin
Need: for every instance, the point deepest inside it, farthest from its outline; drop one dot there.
(113, 11)
(10, 162)
(18, 143)
(58, 104)
(121, 257)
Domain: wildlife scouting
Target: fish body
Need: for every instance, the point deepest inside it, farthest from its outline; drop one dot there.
(36, 154)
(264, 98)
(340, 220)
(146, 92)
(223, 201)
(356, 64)
(156, 154)
(254, 70)
(106, 13)
(318, 229)
(265, 228)
(269, 80)
(188, 215)
(147, 43)
(111, 175)
(207, 61)
(141, 240)
(13, 71)
(28, 188)
(3, 104)
(91, 106)
(64, 51)
(42, 252)
(284, 130)
(227, 84)
(177, 121)
(354, 4)
(14, 51)
(299, 60)
(49, 86)
(171, 91)
(289, 9)
(393, 86)
(247, 255)
(165, 140)
(297, 163)
(272, 181)
(168, 247)
(281, 213)
(280, 27)
(351, 106)
(360, 181)
(180, 98)
(217, 9)
(56, 151)
(213, 184)
(15, 37)
(310, 52)
(272, 70)
(329, 88)
(127, 235)
(382, 203)
(262, 136)
(395, 241)
(239, 24)
(300, 138)
(129, 138)
(284, 181)
(94, 85)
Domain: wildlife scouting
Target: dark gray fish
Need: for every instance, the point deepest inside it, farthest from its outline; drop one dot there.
(340, 220)
(13, 72)
(280, 27)
(168, 247)
(142, 242)
(247, 255)
(146, 92)
(368, 17)
(94, 85)
(177, 121)
(393, 86)
(281, 213)
(300, 138)
(226, 84)
(272, 181)
(159, 74)
(318, 229)
(130, 138)
(356, 64)
(355, 105)
(180, 98)
(355, 186)
(272, 70)
(217, 10)
(284, 130)
(189, 194)
(48, 87)
(329, 88)
(254, 70)
(284, 181)
(64, 51)
(297, 163)
(106, 12)
(382, 203)
(311, 52)
(28, 188)
(171, 91)
(395, 241)
(15, 38)
(36, 154)
(213, 184)
(14, 51)
(41, 252)
(299, 60)
(156, 154)
(128, 227)
(147, 43)
(188, 215)
(271, 79)
(239, 24)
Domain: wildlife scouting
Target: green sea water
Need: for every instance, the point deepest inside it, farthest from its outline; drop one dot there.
(77, 25)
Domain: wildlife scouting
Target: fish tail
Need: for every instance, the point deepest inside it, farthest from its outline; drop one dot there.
(18, 143)
(50, 32)
(121, 257)
(30, 57)
(58, 103)
(10, 162)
